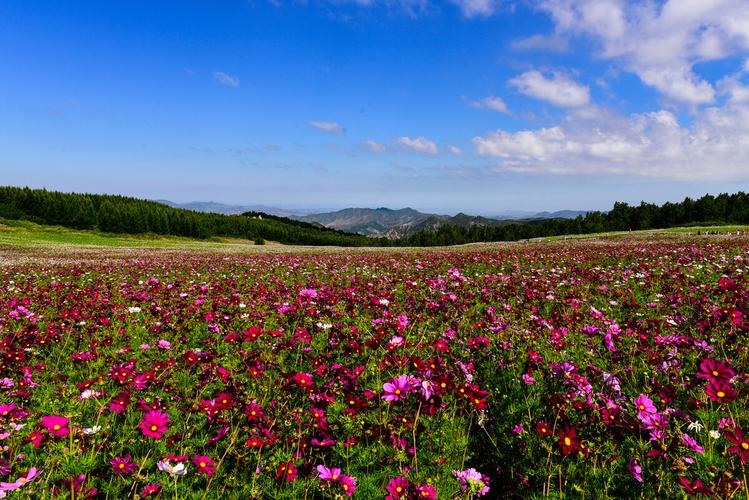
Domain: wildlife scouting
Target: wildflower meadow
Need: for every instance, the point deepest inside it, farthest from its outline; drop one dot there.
(576, 369)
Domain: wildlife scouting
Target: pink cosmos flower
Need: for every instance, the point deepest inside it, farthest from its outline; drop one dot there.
(634, 468)
(326, 474)
(154, 424)
(56, 425)
(426, 492)
(348, 485)
(205, 464)
(645, 406)
(712, 369)
(690, 443)
(472, 481)
(25, 478)
(397, 388)
(123, 465)
(150, 489)
(397, 488)
(721, 391)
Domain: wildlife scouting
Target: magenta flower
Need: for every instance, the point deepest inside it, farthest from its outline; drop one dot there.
(397, 488)
(635, 469)
(472, 482)
(56, 425)
(123, 465)
(326, 474)
(645, 406)
(154, 424)
(721, 391)
(150, 489)
(690, 443)
(426, 492)
(712, 369)
(348, 485)
(25, 478)
(205, 464)
(397, 388)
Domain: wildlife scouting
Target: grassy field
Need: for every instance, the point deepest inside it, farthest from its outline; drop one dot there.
(29, 234)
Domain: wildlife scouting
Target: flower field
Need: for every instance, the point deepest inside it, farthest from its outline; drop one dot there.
(595, 368)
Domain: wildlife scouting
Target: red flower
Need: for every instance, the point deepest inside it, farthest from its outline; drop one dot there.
(567, 440)
(286, 471)
(543, 428)
(715, 370)
(721, 391)
(740, 444)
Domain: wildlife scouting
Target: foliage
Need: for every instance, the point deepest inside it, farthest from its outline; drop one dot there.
(564, 369)
(125, 215)
(708, 210)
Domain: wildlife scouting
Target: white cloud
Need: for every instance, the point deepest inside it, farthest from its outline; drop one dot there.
(419, 145)
(715, 146)
(375, 147)
(660, 41)
(477, 8)
(492, 103)
(332, 127)
(454, 150)
(552, 43)
(557, 89)
(225, 79)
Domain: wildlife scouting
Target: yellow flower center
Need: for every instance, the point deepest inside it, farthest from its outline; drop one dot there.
(335, 477)
(345, 487)
(121, 466)
(153, 427)
(352, 402)
(721, 394)
(201, 464)
(715, 373)
(56, 427)
(567, 441)
(745, 445)
(398, 489)
(397, 391)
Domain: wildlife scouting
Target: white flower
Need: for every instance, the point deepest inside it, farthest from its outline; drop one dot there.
(89, 393)
(88, 431)
(324, 326)
(177, 469)
(384, 302)
(714, 434)
(695, 426)
(133, 310)
(242, 305)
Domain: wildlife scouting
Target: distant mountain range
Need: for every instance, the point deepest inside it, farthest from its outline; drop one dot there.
(222, 208)
(407, 221)
(379, 221)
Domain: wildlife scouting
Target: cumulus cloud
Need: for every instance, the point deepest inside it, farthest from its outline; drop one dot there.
(558, 89)
(655, 144)
(375, 147)
(659, 41)
(491, 103)
(477, 8)
(418, 145)
(225, 79)
(551, 43)
(332, 127)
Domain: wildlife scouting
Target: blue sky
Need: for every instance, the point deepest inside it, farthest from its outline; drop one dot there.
(471, 105)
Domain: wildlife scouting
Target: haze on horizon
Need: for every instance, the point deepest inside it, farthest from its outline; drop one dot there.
(480, 106)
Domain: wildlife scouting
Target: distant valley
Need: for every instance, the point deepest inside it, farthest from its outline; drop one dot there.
(407, 221)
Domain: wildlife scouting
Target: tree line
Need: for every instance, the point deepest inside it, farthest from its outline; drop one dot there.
(122, 214)
(708, 211)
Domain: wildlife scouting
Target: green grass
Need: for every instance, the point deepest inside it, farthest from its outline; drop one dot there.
(27, 234)
(24, 233)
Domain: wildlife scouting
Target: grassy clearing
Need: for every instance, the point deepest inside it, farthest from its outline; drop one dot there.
(29, 234)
